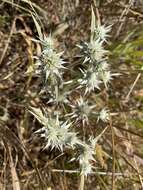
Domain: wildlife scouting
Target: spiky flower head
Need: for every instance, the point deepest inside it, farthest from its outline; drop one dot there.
(104, 115)
(103, 66)
(87, 152)
(101, 31)
(55, 132)
(81, 110)
(106, 76)
(90, 81)
(93, 51)
(86, 158)
(47, 42)
(50, 64)
(97, 52)
(98, 31)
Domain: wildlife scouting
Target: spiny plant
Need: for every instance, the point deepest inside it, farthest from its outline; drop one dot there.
(59, 127)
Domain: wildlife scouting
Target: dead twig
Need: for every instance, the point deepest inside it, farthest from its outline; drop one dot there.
(132, 87)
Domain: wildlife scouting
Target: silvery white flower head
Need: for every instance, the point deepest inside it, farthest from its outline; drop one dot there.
(47, 42)
(103, 66)
(51, 134)
(107, 76)
(86, 168)
(103, 115)
(51, 63)
(72, 140)
(87, 152)
(56, 133)
(101, 31)
(81, 110)
(90, 80)
(93, 51)
(86, 157)
(98, 31)
(97, 52)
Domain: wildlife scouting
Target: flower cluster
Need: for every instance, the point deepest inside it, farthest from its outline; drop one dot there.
(57, 125)
(95, 56)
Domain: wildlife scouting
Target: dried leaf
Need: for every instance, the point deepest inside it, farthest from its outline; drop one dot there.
(101, 156)
(39, 115)
(38, 28)
(93, 23)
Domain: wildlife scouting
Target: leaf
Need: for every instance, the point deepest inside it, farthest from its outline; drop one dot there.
(101, 156)
(39, 115)
(60, 29)
(37, 27)
(15, 179)
(93, 23)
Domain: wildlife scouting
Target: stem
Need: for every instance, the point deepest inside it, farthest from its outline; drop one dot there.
(81, 185)
(132, 87)
(113, 155)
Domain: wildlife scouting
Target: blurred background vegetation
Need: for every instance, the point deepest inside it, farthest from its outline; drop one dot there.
(23, 163)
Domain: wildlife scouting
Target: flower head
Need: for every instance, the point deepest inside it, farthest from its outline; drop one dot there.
(47, 42)
(101, 32)
(107, 76)
(104, 115)
(50, 63)
(81, 110)
(103, 66)
(98, 31)
(90, 80)
(93, 51)
(86, 157)
(96, 50)
(56, 132)
(87, 152)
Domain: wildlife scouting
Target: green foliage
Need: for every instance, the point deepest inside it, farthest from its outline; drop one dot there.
(130, 49)
(136, 123)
